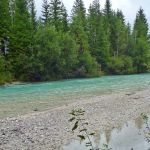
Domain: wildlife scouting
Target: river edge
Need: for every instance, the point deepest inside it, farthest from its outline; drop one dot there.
(50, 130)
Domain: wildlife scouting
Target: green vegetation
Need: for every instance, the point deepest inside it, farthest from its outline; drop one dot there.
(80, 126)
(147, 130)
(56, 46)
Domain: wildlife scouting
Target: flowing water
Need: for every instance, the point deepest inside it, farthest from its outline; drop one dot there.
(25, 98)
(131, 136)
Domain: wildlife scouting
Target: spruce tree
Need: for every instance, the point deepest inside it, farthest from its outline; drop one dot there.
(141, 53)
(98, 39)
(32, 11)
(58, 15)
(120, 16)
(65, 26)
(80, 11)
(108, 23)
(107, 9)
(45, 11)
(87, 65)
(141, 25)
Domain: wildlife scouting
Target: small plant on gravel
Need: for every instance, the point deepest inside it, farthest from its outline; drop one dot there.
(80, 124)
(147, 130)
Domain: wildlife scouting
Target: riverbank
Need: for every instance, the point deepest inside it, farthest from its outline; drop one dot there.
(50, 130)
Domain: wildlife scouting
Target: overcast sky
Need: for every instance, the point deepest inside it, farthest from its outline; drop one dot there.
(129, 7)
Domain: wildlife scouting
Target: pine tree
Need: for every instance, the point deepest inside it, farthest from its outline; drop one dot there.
(98, 39)
(58, 15)
(32, 11)
(140, 25)
(78, 25)
(87, 65)
(128, 40)
(94, 20)
(141, 53)
(120, 16)
(65, 26)
(109, 22)
(45, 11)
(107, 9)
(80, 11)
(121, 32)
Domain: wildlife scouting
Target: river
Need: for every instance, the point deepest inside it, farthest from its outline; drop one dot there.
(24, 98)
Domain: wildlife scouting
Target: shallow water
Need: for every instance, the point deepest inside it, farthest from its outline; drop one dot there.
(20, 99)
(130, 135)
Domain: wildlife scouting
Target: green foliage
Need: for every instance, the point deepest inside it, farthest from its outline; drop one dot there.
(5, 75)
(57, 53)
(120, 65)
(69, 55)
(98, 39)
(147, 130)
(86, 45)
(141, 51)
(32, 11)
(77, 117)
(80, 127)
(5, 78)
(45, 12)
(88, 66)
(5, 19)
(142, 56)
(48, 52)
(141, 25)
(58, 15)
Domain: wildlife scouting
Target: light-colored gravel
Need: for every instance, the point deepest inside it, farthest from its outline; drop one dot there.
(50, 130)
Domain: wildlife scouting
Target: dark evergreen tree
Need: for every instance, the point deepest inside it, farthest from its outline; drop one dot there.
(45, 11)
(109, 22)
(120, 16)
(58, 15)
(32, 11)
(107, 9)
(65, 26)
(87, 65)
(98, 39)
(140, 25)
(80, 11)
(141, 51)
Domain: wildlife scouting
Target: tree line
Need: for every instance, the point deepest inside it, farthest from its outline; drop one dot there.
(58, 46)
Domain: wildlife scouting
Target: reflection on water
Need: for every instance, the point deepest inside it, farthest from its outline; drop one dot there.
(130, 135)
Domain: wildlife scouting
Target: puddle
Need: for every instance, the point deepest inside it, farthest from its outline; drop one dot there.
(129, 137)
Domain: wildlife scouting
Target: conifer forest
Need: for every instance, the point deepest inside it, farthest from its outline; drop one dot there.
(58, 45)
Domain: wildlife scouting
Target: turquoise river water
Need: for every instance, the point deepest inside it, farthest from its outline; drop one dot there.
(23, 98)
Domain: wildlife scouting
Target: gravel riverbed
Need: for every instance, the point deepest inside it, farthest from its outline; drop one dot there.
(50, 130)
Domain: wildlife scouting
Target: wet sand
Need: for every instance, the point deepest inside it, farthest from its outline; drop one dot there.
(50, 130)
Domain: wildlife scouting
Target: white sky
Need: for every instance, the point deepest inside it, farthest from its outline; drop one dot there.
(129, 7)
